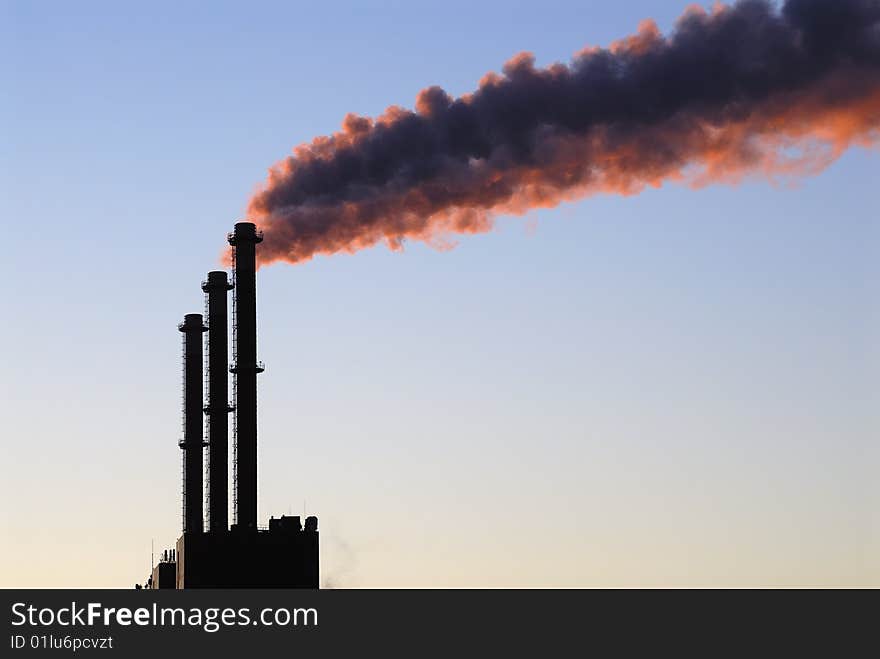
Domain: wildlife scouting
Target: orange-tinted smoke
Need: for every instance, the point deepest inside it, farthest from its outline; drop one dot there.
(794, 89)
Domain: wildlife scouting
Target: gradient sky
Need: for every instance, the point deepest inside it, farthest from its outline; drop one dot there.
(676, 388)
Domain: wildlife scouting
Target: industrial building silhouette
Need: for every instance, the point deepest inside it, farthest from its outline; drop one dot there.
(210, 553)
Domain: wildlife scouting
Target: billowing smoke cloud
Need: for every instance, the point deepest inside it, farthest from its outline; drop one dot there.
(731, 92)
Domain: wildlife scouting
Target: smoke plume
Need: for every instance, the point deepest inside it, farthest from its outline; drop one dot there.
(734, 91)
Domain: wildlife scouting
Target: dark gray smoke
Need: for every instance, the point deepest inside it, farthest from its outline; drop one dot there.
(738, 90)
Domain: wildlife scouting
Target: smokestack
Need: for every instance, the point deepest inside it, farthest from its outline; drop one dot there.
(192, 442)
(217, 407)
(245, 368)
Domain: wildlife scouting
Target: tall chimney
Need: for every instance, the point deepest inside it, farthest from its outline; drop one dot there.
(245, 367)
(193, 441)
(217, 407)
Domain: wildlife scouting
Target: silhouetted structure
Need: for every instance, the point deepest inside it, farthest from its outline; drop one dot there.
(164, 573)
(216, 287)
(284, 555)
(192, 442)
(245, 367)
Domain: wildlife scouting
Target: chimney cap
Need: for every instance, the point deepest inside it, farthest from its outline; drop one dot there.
(217, 279)
(245, 232)
(192, 322)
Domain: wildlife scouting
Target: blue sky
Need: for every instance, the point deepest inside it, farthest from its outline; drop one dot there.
(675, 388)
